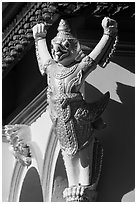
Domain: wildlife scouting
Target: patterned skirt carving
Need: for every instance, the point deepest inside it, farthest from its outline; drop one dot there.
(74, 125)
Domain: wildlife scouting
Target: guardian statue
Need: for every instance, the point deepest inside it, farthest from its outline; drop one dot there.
(75, 120)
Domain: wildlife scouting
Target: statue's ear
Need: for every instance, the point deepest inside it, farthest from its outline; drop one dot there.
(80, 53)
(79, 56)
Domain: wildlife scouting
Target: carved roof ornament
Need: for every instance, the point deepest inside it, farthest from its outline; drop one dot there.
(18, 136)
(17, 37)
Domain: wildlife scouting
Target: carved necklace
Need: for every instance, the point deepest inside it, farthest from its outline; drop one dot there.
(61, 72)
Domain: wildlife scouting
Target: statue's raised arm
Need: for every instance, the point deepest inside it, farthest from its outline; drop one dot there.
(103, 49)
(66, 49)
(42, 53)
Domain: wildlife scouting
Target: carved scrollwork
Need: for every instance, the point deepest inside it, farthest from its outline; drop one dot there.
(18, 136)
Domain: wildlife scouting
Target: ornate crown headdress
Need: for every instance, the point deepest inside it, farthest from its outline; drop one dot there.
(64, 30)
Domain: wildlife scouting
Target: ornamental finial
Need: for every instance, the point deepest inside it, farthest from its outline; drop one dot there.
(64, 26)
(64, 31)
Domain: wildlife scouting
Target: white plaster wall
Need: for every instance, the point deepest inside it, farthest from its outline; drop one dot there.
(8, 162)
(40, 132)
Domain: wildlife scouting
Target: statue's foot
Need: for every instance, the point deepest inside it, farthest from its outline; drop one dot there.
(80, 193)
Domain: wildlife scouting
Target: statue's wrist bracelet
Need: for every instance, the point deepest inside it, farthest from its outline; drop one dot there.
(112, 35)
(41, 37)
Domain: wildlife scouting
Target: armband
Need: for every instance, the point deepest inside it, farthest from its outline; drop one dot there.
(111, 32)
(40, 36)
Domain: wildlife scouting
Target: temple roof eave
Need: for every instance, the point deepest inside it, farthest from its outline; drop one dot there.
(17, 36)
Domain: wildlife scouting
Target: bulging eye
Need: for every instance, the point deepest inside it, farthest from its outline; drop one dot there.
(66, 44)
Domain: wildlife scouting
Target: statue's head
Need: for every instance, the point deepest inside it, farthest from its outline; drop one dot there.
(65, 47)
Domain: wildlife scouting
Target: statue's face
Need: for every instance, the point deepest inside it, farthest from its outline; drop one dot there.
(64, 51)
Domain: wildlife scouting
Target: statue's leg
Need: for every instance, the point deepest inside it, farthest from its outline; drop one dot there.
(79, 172)
(72, 168)
(85, 163)
(79, 167)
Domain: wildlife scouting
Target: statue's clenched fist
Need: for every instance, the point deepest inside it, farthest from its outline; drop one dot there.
(109, 25)
(39, 31)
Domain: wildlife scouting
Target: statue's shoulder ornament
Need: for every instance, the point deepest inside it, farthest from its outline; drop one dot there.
(86, 62)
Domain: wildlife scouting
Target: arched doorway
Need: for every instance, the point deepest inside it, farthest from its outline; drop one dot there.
(60, 180)
(31, 189)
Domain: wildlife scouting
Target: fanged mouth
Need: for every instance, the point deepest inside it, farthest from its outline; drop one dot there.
(60, 53)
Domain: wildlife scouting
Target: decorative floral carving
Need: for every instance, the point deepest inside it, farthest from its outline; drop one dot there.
(17, 136)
